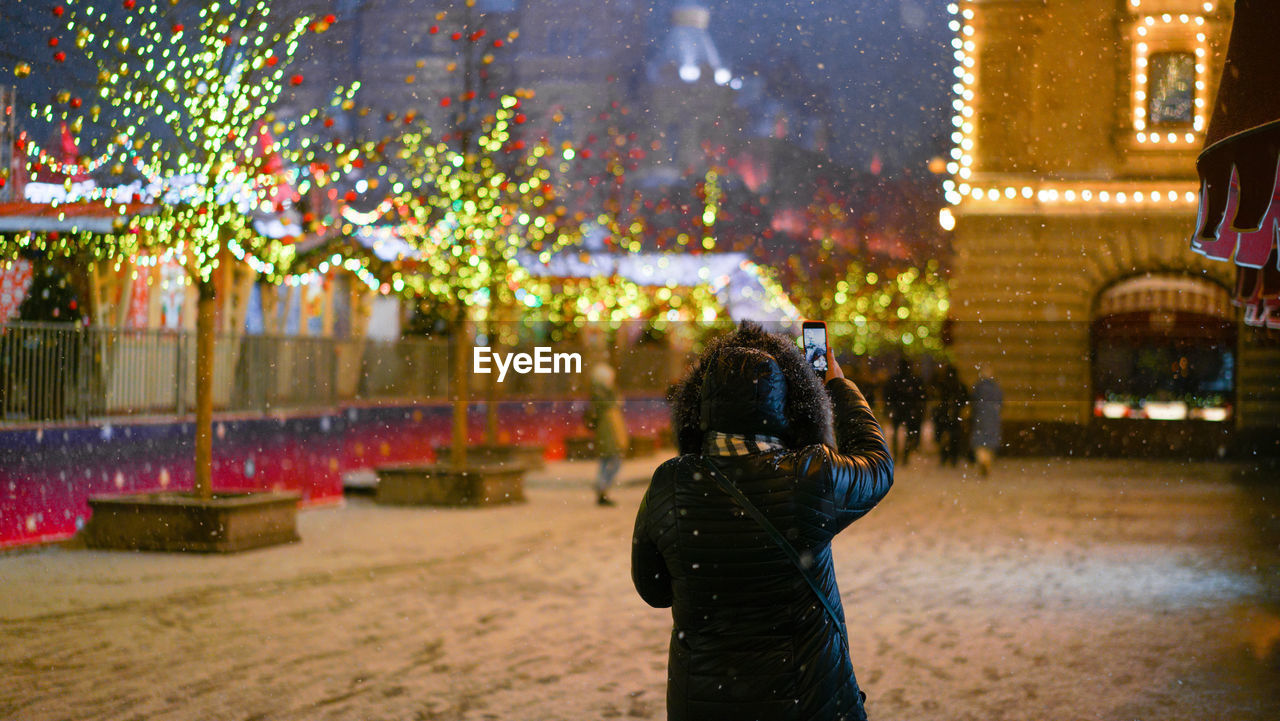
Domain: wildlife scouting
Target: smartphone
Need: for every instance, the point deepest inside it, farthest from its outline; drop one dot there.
(813, 336)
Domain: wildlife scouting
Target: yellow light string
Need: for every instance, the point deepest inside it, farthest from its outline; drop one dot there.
(210, 86)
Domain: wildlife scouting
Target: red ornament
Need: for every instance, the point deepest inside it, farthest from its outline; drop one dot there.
(586, 153)
(128, 4)
(350, 196)
(296, 79)
(477, 35)
(446, 102)
(358, 163)
(469, 95)
(53, 42)
(456, 36)
(59, 56)
(518, 145)
(271, 61)
(177, 28)
(330, 19)
(521, 118)
(498, 43)
(328, 122)
(58, 10)
(75, 102)
(433, 29)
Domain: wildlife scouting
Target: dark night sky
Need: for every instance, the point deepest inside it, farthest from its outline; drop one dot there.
(885, 63)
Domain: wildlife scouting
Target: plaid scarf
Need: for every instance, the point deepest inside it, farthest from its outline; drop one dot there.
(734, 444)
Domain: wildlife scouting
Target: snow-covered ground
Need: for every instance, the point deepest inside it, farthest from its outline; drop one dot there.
(1050, 590)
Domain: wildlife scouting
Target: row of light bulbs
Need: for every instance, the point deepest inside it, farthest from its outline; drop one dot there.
(1144, 31)
(958, 188)
(1208, 6)
(1073, 195)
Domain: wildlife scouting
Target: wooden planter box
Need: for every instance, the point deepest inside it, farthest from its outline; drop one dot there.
(582, 448)
(225, 523)
(442, 485)
(498, 453)
(643, 446)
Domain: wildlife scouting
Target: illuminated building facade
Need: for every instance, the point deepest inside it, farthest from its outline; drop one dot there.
(1072, 193)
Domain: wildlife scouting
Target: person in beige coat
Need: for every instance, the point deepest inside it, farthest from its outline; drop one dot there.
(604, 416)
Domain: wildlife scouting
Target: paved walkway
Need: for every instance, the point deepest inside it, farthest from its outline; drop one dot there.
(1051, 590)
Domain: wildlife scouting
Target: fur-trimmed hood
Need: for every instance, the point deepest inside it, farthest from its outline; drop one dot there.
(807, 408)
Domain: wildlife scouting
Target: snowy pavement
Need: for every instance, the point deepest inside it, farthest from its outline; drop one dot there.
(1051, 590)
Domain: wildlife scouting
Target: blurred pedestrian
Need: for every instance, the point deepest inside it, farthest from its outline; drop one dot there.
(735, 534)
(987, 402)
(953, 402)
(904, 401)
(604, 417)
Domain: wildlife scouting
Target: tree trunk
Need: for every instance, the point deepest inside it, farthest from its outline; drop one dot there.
(206, 315)
(492, 392)
(491, 411)
(460, 345)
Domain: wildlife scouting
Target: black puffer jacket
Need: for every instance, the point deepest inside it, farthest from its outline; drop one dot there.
(749, 638)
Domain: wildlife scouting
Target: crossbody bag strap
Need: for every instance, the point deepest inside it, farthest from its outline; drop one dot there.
(738, 496)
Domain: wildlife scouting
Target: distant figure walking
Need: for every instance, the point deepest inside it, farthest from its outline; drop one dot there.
(735, 534)
(604, 416)
(987, 403)
(953, 399)
(904, 400)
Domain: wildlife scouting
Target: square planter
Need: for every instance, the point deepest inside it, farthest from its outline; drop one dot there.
(583, 448)
(499, 453)
(481, 484)
(225, 523)
(580, 448)
(642, 446)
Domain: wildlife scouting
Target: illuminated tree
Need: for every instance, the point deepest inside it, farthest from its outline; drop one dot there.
(596, 187)
(475, 199)
(870, 312)
(180, 92)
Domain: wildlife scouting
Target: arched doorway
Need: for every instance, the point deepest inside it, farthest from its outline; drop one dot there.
(1163, 364)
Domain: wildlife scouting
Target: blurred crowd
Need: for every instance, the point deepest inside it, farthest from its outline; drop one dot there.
(925, 404)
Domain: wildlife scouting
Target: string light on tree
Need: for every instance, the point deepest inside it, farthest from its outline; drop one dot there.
(179, 90)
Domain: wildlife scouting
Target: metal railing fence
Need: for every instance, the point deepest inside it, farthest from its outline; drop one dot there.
(63, 372)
